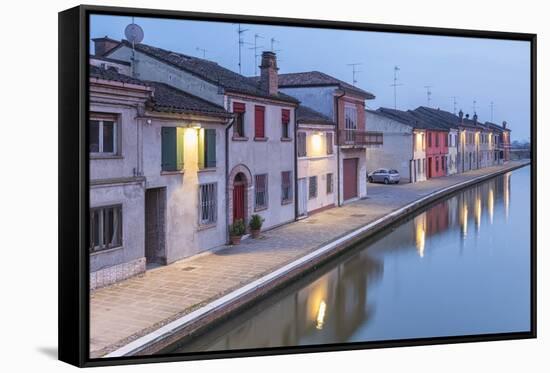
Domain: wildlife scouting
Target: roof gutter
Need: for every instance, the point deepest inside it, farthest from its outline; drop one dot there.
(336, 98)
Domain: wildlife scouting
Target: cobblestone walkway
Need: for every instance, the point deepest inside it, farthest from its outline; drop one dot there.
(132, 308)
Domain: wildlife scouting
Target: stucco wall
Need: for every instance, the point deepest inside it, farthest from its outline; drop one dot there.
(124, 163)
(132, 198)
(320, 99)
(270, 157)
(184, 236)
(396, 151)
(318, 163)
(148, 68)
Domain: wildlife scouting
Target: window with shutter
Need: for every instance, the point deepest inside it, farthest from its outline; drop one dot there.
(207, 148)
(172, 148)
(285, 120)
(330, 149)
(259, 122)
(239, 109)
(330, 184)
(286, 187)
(260, 191)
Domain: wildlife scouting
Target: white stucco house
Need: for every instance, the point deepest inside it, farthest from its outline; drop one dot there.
(157, 181)
(317, 167)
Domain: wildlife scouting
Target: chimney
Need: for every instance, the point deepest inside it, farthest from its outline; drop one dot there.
(504, 124)
(269, 78)
(475, 118)
(461, 115)
(103, 45)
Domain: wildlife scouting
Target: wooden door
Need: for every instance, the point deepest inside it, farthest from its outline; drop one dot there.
(350, 178)
(155, 218)
(238, 202)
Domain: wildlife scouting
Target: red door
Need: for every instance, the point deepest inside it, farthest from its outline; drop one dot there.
(238, 202)
(350, 178)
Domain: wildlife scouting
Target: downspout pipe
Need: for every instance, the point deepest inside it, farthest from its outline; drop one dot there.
(295, 165)
(227, 128)
(336, 111)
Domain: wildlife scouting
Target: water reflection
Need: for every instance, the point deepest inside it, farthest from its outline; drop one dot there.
(407, 282)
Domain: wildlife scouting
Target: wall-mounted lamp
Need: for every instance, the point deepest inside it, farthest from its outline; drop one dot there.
(196, 126)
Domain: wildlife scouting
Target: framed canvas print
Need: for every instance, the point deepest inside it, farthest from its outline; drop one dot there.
(237, 185)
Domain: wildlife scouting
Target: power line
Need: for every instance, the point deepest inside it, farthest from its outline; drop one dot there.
(428, 94)
(395, 85)
(354, 71)
(256, 55)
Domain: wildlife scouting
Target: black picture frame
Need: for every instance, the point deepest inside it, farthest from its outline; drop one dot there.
(74, 175)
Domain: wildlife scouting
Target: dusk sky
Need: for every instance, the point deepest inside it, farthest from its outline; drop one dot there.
(471, 69)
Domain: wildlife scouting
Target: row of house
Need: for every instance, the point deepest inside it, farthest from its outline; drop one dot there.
(181, 147)
(425, 143)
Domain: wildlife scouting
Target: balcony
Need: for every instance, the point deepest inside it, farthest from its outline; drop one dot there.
(355, 138)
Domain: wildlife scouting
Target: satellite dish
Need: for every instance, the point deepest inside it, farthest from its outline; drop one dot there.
(133, 33)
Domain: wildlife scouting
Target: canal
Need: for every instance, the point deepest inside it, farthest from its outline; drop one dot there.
(459, 267)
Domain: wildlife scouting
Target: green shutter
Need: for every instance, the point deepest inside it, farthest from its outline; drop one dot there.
(210, 151)
(168, 149)
(180, 133)
(201, 149)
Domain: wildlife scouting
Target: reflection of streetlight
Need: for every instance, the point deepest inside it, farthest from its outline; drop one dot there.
(507, 194)
(478, 213)
(321, 315)
(491, 203)
(464, 219)
(420, 235)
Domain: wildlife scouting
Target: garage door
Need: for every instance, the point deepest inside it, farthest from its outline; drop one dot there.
(350, 178)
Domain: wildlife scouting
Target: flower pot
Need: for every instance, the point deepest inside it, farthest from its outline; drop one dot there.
(235, 240)
(255, 233)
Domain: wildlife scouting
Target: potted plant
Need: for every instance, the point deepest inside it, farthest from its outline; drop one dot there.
(255, 225)
(236, 231)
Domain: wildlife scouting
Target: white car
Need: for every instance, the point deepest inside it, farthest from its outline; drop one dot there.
(384, 175)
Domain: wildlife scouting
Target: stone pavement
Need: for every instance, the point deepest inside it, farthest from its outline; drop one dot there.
(125, 311)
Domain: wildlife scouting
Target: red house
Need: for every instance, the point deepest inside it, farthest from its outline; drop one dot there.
(437, 150)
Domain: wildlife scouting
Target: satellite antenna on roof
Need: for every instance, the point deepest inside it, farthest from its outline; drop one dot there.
(134, 34)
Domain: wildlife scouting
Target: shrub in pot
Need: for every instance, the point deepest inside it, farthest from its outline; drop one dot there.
(255, 225)
(236, 231)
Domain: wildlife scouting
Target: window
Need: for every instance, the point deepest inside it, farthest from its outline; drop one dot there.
(447, 140)
(437, 139)
(436, 164)
(418, 167)
(286, 187)
(312, 187)
(208, 197)
(207, 148)
(443, 161)
(375, 138)
(330, 183)
(330, 145)
(259, 122)
(105, 228)
(172, 148)
(102, 133)
(302, 150)
(261, 191)
(430, 140)
(285, 123)
(350, 114)
(238, 128)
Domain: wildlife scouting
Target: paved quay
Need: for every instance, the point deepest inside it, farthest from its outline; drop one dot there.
(135, 307)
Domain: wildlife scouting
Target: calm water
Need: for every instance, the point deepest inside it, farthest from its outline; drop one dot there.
(460, 267)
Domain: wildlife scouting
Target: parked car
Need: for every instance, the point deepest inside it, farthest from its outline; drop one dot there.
(384, 175)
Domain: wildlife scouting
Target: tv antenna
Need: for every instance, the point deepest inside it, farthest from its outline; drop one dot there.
(274, 41)
(255, 49)
(134, 34)
(199, 49)
(428, 94)
(354, 71)
(454, 104)
(240, 32)
(395, 85)
(474, 106)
